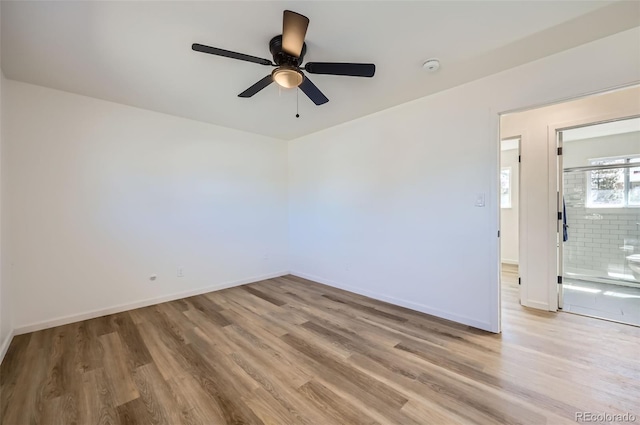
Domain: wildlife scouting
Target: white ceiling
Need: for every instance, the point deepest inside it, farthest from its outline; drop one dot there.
(139, 53)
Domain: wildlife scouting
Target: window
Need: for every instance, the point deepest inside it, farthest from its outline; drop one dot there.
(505, 187)
(614, 187)
(634, 183)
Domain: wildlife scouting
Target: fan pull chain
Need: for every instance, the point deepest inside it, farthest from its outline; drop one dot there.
(297, 103)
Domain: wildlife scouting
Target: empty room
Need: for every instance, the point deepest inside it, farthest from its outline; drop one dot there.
(261, 212)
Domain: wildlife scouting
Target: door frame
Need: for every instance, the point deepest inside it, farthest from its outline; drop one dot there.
(556, 190)
(518, 218)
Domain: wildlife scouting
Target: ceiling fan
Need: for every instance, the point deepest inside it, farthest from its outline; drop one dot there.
(288, 52)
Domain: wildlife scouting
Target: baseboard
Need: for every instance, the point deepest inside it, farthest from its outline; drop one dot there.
(486, 326)
(33, 327)
(5, 345)
(512, 262)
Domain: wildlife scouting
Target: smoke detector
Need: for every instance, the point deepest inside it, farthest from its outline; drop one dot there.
(431, 65)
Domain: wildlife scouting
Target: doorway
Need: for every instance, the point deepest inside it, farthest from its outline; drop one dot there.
(540, 182)
(509, 210)
(599, 246)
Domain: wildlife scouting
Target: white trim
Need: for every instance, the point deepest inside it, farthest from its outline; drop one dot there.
(138, 304)
(570, 98)
(495, 292)
(507, 261)
(554, 205)
(537, 305)
(5, 345)
(400, 302)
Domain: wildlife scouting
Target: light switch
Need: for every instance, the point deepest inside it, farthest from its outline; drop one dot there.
(479, 200)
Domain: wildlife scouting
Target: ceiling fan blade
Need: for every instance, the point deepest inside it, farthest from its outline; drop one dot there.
(313, 92)
(294, 29)
(229, 54)
(337, 68)
(257, 87)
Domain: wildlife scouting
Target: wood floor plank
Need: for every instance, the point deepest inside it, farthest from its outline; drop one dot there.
(272, 353)
(10, 370)
(278, 397)
(498, 409)
(209, 308)
(334, 406)
(160, 407)
(348, 325)
(258, 293)
(101, 325)
(365, 308)
(117, 370)
(420, 413)
(195, 404)
(280, 389)
(220, 359)
(247, 319)
(381, 397)
(403, 377)
(25, 404)
(161, 353)
(53, 386)
(137, 352)
(239, 297)
(173, 325)
(270, 412)
(217, 383)
(85, 360)
(134, 412)
(96, 405)
(291, 351)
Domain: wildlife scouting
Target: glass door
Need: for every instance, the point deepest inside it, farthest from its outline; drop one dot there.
(599, 255)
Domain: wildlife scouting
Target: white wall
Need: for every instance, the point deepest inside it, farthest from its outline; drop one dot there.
(509, 216)
(104, 195)
(384, 205)
(538, 172)
(577, 153)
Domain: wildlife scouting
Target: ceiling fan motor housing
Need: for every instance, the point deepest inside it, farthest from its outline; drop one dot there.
(282, 58)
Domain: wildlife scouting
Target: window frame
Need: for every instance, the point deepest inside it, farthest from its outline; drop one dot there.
(626, 181)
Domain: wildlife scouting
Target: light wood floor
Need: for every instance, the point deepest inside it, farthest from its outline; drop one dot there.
(290, 351)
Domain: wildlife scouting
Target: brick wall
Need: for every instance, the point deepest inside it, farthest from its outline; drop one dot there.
(597, 235)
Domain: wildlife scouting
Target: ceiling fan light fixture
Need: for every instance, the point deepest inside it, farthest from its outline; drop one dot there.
(287, 77)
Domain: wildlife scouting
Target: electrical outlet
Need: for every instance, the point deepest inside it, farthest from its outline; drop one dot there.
(180, 272)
